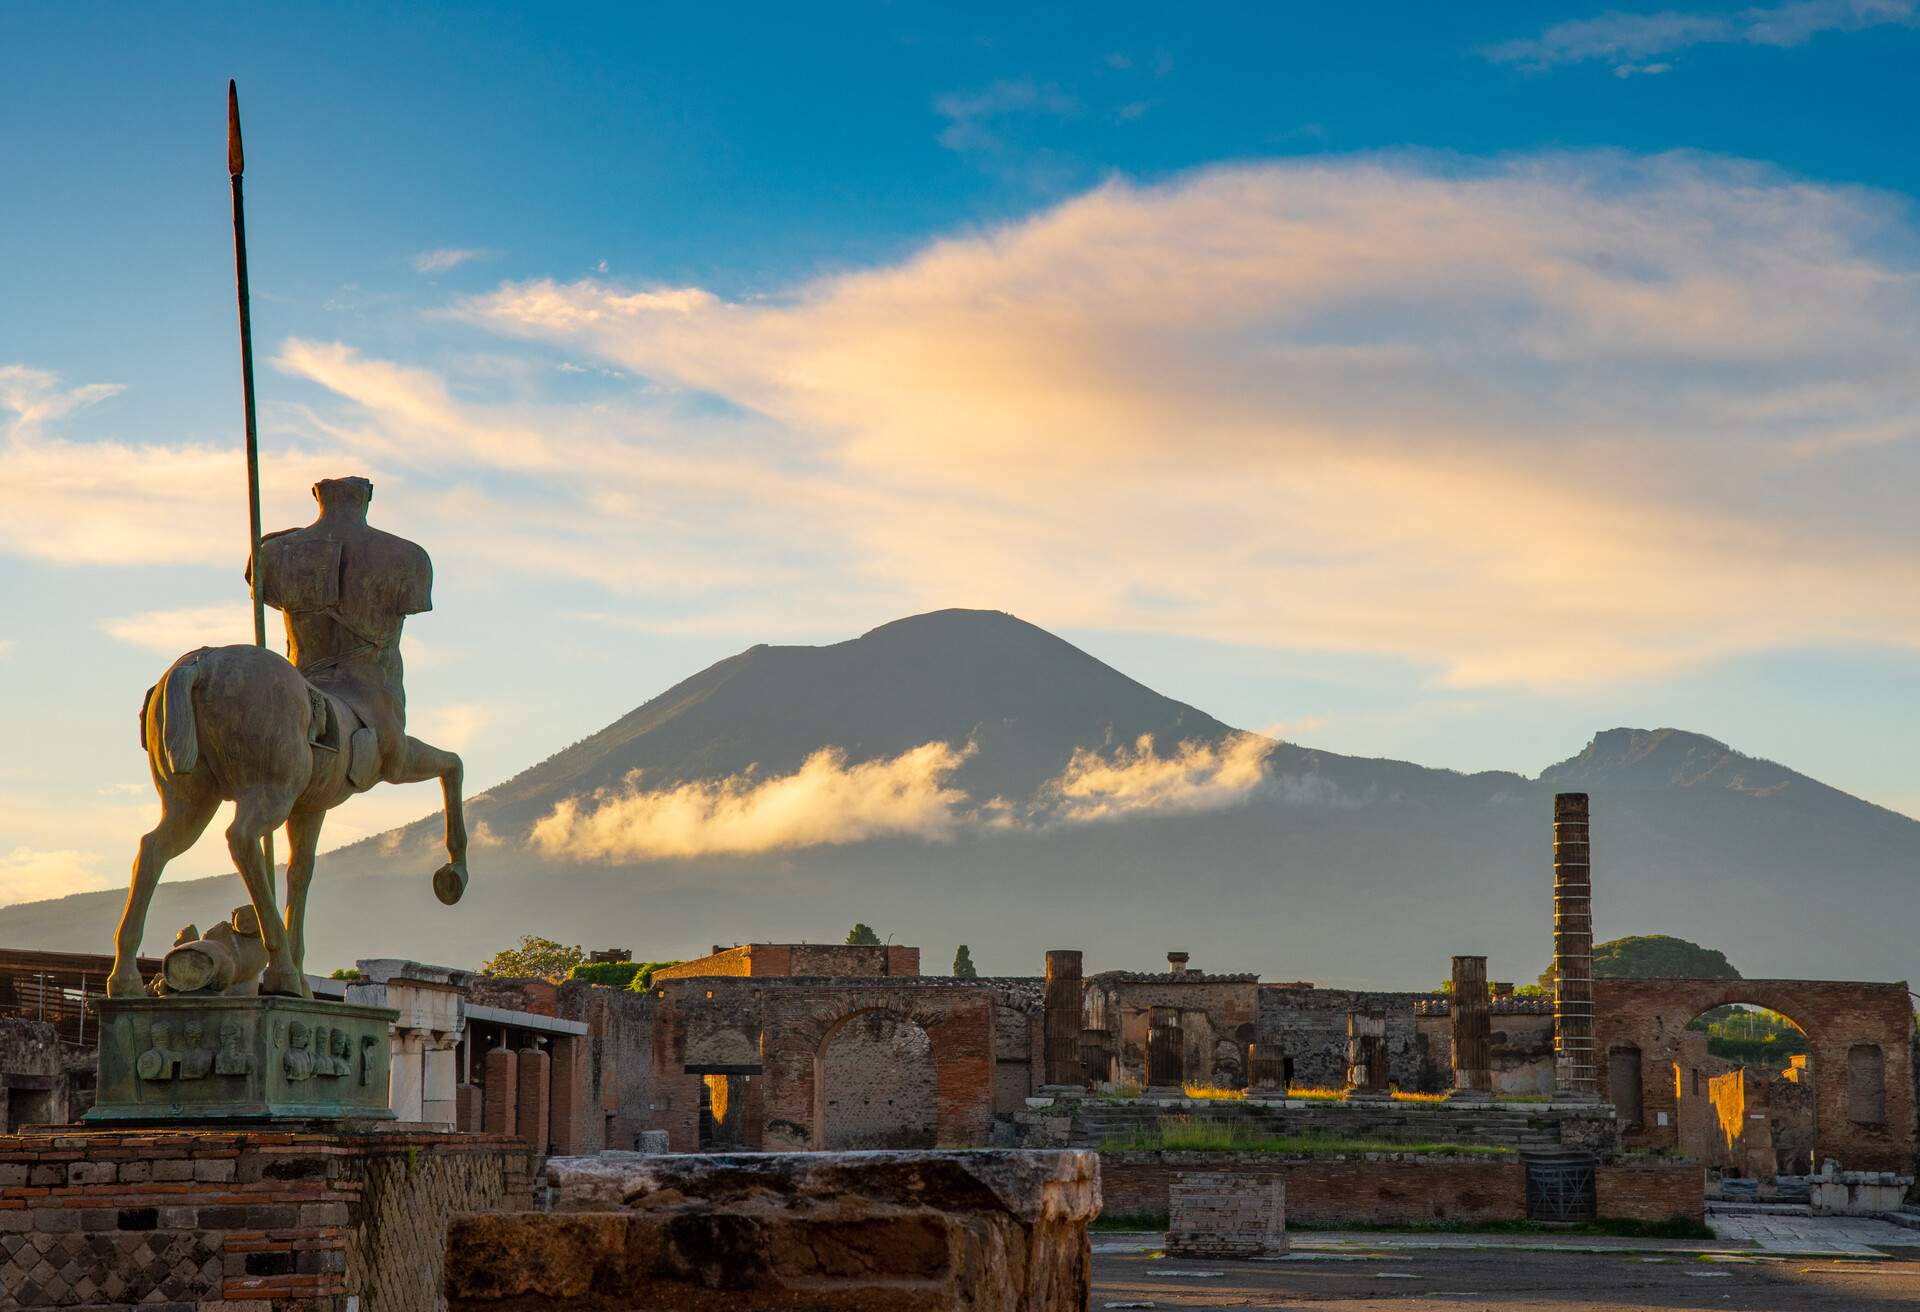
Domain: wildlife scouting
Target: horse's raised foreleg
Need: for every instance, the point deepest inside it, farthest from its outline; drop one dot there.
(425, 761)
(303, 840)
(184, 814)
(257, 813)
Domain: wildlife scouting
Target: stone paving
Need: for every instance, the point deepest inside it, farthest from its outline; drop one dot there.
(1775, 1232)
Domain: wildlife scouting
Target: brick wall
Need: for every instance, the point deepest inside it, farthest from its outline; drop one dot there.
(242, 1221)
(1650, 1016)
(1651, 1191)
(1334, 1190)
(877, 1086)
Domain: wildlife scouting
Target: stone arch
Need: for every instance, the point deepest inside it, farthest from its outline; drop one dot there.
(874, 1084)
(1836, 1016)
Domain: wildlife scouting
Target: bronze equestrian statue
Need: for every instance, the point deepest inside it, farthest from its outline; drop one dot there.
(288, 740)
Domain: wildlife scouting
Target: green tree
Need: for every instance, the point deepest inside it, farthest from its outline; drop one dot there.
(862, 935)
(963, 964)
(535, 958)
(344, 972)
(1654, 956)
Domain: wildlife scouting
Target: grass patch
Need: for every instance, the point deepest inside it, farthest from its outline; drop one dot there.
(1213, 1093)
(1182, 1134)
(1523, 1097)
(1318, 1095)
(1403, 1095)
(1126, 1091)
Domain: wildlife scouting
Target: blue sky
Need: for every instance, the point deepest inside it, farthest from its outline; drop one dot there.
(1444, 382)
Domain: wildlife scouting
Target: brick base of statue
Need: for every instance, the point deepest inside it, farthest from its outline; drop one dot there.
(935, 1231)
(218, 1059)
(241, 1221)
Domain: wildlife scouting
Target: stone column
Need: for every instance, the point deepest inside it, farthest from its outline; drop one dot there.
(536, 1071)
(501, 1103)
(439, 1079)
(1576, 1075)
(1165, 1054)
(1472, 1031)
(1064, 1010)
(407, 1069)
(1367, 1055)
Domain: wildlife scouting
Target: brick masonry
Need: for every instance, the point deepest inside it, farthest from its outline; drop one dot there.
(1651, 1015)
(240, 1221)
(1400, 1188)
(1214, 1214)
(1390, 1187)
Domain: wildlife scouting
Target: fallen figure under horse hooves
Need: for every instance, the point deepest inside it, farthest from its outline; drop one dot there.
(287, 740)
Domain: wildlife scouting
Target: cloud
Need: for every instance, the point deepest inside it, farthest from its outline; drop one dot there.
(1627, 39)
(969, 113)
(117, 502)
(445, 258)
(453, 727)
(1196, 776)
(826, 802)
(29, 874)
(6, 647)
(1539, 421)
(172, 632)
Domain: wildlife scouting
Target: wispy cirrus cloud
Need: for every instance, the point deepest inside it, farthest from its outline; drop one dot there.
(445, 258)
(826, 802)
(1630, 40)
(971, 115)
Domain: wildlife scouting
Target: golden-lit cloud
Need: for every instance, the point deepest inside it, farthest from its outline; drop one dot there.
(1545, 421)
(1194, 776)
(825, 802)
(182, 629)
(453, 726)
(28, 874)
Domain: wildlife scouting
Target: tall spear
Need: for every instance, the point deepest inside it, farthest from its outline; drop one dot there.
(236, 165)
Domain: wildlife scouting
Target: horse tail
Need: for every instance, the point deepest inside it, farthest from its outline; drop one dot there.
(179, 735)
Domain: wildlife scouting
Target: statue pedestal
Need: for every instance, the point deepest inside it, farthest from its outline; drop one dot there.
(210, 1058)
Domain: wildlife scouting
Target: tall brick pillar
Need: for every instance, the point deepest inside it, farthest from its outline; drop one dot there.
(1472, 1031)
(569, 1105)
(501, 1102)
(1063, 1015)
(1166, 1056)
(1367, 1075)
(536, 1071)
(1576, 1074)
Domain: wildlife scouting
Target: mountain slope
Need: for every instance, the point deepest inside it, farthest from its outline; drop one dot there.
(1341, 869)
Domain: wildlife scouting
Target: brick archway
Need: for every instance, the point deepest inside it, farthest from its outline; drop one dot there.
(1836, 1016)
(959, 1027)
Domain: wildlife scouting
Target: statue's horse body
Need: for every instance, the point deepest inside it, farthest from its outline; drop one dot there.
(287, 740)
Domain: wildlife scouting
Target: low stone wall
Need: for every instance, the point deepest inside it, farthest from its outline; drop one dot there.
(1334, 1190)
(1651, 1190)
(241, 1221)
(802, 1232)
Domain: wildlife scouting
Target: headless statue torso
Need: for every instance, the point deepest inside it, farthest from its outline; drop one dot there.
(346, 589)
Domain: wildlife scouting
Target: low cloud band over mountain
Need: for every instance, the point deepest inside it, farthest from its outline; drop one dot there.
(964, 776)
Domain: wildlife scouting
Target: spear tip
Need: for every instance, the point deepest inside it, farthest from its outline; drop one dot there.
(236, 161)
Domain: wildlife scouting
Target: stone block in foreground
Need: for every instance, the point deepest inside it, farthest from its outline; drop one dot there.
(1219, 1214)
(985, 1231)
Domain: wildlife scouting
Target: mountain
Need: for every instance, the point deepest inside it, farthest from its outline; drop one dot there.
(1252, 855)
